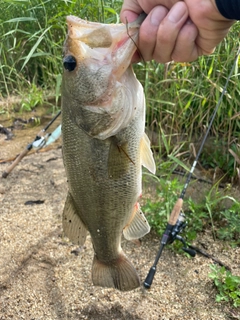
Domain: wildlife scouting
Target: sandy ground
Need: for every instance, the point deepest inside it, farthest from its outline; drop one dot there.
(43, 276)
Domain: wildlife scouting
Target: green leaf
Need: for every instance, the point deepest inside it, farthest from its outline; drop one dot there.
(29, 56)
(179, 162)
(21, 19)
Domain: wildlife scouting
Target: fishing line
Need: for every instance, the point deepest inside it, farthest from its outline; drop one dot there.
(140, 19)
(176, 222)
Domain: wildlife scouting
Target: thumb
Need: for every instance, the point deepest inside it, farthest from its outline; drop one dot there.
(130, 11)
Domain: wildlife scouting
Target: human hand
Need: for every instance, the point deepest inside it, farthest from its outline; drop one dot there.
(177, 30)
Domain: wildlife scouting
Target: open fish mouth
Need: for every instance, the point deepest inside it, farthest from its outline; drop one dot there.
(105, 43)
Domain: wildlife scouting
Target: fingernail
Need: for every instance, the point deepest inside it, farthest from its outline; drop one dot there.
(157, 15)
(177, 12)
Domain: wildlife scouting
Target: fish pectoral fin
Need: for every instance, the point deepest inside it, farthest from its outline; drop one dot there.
(119, 274)
(147, 155)
(73, 226)
(118, 159)
(138, 226)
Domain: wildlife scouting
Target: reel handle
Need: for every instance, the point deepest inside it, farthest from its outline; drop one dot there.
(191, 252)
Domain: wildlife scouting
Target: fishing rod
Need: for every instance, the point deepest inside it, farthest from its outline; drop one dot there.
(176, 222)
(29, 147)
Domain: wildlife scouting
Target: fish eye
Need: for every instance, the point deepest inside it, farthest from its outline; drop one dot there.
(69, 63)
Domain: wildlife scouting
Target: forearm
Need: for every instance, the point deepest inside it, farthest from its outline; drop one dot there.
(230, 9)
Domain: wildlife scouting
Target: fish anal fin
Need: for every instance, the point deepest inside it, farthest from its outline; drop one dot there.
(138, 226)
(147, 159)
(119, 274)
(73, 226)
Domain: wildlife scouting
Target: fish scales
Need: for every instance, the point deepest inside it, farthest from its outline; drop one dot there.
(103, 147)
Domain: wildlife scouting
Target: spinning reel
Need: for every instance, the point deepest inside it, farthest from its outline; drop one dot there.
(174, 235)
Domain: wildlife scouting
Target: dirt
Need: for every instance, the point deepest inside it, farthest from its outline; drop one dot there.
(44, 276)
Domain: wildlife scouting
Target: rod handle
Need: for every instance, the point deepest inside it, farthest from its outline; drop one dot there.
(175, 212)
(15, 162)
(149, 279)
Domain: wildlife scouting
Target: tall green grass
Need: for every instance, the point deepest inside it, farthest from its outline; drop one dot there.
(180, 96)
(31, 38)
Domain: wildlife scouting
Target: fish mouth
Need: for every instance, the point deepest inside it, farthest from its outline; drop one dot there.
(105, 43)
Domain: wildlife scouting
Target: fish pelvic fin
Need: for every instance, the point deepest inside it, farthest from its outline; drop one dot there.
(119, 274)
(73, 226)
(147, 155)
(138, 225)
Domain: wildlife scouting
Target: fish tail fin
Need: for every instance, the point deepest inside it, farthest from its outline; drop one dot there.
(119, 274)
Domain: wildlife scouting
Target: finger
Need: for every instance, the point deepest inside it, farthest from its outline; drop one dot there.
(128, 16)
(212, 26)
(132, 8)
(168, 32)
(209, 38)
(145, 5)
(130, 11)
(148, 32)
(185, 49)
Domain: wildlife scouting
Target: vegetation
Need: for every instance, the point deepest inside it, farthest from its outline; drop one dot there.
(228, 285)
(224, 223)
(180, 100)
(180, 96)
(32, 33)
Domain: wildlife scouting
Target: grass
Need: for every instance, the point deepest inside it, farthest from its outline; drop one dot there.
(180, 100)
(31, 38)
(180, 96)
(227, 285)
(209, 213)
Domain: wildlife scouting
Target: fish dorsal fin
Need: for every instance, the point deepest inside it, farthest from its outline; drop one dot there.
(73, 226)
(138, 226)
(147, 155)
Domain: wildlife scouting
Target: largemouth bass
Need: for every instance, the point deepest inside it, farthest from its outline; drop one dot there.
(104, 145)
